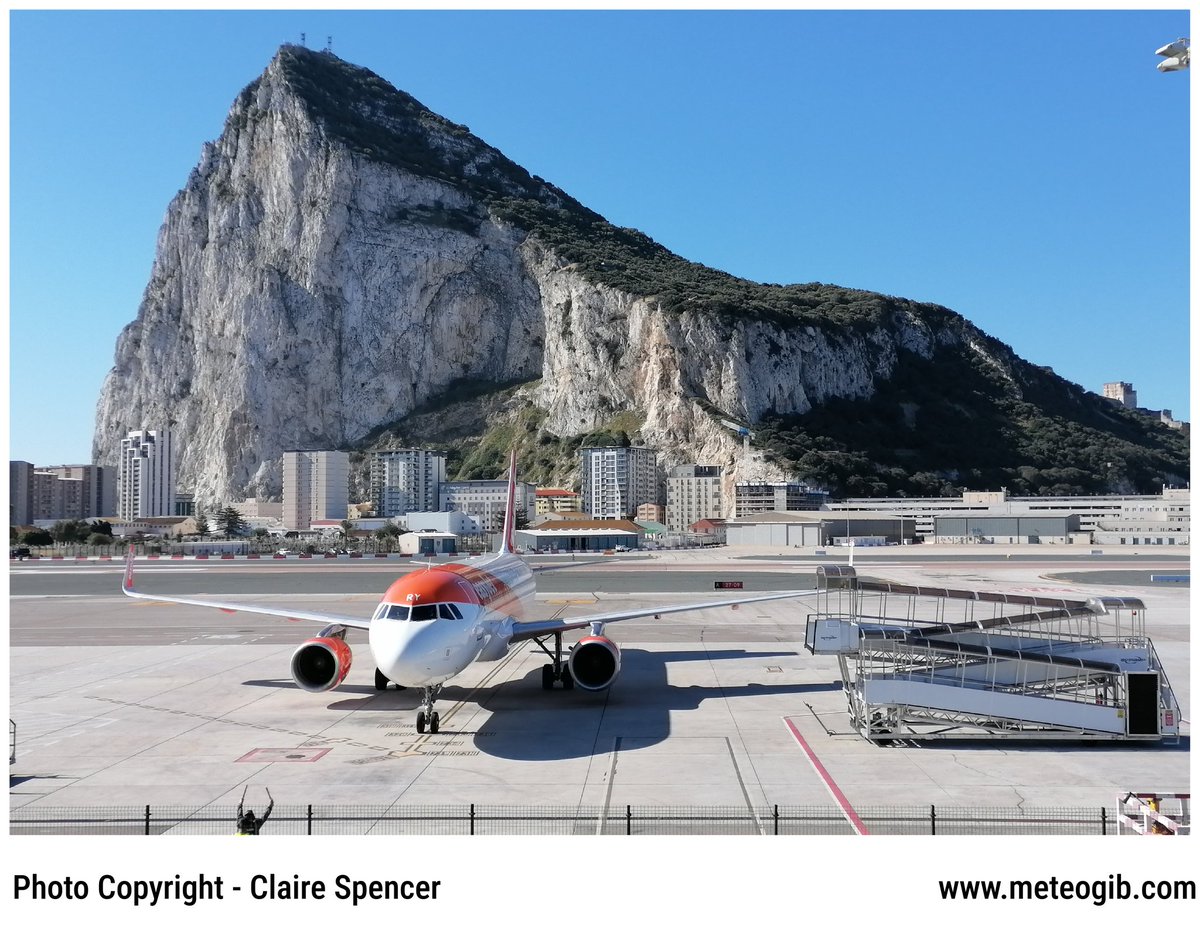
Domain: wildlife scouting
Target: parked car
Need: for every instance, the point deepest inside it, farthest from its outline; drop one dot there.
(620, 548)
(20, 553)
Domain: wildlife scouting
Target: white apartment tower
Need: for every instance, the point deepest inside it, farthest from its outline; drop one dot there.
(406, 480)
(617, 480)
(693, 493)
(316, 485)
(146, 474)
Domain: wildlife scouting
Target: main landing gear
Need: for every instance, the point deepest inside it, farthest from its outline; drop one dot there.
(427, 713)
(382, 681)
(558, 670)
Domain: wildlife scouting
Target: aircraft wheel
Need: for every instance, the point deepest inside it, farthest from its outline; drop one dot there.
(568, 682)
(547, 677)
(433, 722)
(381, 680)
(420, 721)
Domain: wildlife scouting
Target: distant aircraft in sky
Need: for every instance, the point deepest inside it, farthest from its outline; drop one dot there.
(1178, 55)
(432, 623)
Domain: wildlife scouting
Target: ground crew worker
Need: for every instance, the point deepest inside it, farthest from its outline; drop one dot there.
(247, 822)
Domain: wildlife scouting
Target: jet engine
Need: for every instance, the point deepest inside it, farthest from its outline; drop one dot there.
(595, 662)
(322, 662)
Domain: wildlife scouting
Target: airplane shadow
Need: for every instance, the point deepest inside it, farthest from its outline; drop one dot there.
(530, 724)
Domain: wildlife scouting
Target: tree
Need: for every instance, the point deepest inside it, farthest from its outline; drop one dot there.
(202, 529)
(70, 530)
(388, 535)
(230, 522)
(38, 537)
(520, 520)
(99, 538)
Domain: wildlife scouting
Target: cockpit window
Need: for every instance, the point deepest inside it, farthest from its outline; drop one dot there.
(397, 611)
(424, 611)
(450, 611)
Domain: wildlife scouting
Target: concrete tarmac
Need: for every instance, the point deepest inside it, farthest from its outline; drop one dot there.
(121, 702)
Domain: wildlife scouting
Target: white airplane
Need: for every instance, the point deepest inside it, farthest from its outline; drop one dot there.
(432, 623)
(1178, 55)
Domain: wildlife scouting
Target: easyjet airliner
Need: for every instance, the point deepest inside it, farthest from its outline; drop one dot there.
(434, 622)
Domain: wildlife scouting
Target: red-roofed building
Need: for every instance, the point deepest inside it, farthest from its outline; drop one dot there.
(712, 531)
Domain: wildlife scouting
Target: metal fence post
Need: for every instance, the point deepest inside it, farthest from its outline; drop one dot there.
(932, 819)
(777, 819)
(628, 819)
(147, 819)
(1104, 820)
(472, 819)
(310, 819)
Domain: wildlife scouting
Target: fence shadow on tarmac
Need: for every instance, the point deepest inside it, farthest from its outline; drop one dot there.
(479, 819)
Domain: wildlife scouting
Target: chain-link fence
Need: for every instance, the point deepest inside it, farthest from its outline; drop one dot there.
(481, 819)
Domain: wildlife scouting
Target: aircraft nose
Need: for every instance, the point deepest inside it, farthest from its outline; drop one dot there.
(410, 654)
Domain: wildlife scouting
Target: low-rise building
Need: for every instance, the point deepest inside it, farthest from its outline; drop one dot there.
(708, 531)
(454, 522)
(486, 501)
(753, 497)
(556, 500)
(428, 542)
(589, 535)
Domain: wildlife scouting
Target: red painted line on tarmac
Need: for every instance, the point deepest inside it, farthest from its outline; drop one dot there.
(830, 784)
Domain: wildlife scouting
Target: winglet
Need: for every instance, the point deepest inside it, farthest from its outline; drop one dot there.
(510, 507)
(127, 583)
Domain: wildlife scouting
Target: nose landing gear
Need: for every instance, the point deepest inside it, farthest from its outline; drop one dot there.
(427, 714)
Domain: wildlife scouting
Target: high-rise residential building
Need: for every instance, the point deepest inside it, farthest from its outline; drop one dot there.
(146, 474)
(20, 493)
(406, 480)
(485, 501)
(316, 485)
(693, 493)
(617, 480)
(84, 492)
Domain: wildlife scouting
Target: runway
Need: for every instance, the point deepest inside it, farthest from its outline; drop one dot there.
(123, 703)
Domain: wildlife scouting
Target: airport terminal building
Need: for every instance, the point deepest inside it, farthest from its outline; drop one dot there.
(993, 516)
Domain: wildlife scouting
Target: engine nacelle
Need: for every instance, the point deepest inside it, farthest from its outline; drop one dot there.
(323, 662)
(595, 662)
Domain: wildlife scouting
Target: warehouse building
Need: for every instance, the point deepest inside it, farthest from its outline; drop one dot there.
(816, 529)
(1008, 530)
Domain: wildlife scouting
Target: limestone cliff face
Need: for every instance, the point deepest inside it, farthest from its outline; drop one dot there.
(306, 292)
(298, 300)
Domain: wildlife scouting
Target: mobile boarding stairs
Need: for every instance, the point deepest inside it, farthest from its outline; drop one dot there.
(934, 663)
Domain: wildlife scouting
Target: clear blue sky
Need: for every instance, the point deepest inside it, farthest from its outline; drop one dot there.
(1027, 169)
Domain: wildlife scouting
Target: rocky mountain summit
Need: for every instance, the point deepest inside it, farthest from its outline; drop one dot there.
(345, 268)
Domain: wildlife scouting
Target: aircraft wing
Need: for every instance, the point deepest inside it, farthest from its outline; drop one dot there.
(532, 630)
(355, 622)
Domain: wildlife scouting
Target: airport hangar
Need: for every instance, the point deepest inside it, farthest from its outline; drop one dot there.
(813, 529)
